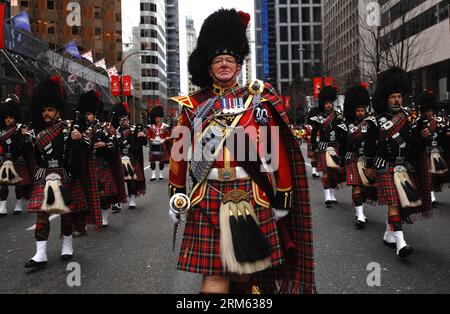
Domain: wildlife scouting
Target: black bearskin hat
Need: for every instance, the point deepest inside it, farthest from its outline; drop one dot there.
(356, 97)
(157, 111)
(328, 93)
(119, 111)
(426, 101)
(48, 93)
(394, 80)
(223, 32)
(89, 102)
(10, 108)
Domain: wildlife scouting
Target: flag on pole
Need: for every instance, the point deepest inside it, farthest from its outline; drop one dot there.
(88, 56)
(22, 21)
(72, 49)
(101, 64)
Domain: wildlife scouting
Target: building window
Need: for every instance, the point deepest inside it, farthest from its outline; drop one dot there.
(119, 17)
(98, 13)
(24, 4)
(98, 31)
(75, 30)
(50, 4)
(51, 30)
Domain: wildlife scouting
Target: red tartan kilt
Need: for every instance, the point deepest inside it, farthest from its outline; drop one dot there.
(164, 157)
(386, 191)
(200, 248)
(78, 197)
(138, 169)
(352, 173)
(24, 173)
(321, 160)
(107, 185)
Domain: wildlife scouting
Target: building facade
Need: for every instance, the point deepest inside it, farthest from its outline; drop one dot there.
(173, 48)
(191, 42)
(289, 40)
(417, 36)
(153, 39)
(100, 29)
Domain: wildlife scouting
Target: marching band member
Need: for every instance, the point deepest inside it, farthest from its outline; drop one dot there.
(158, 133)
(245, 214)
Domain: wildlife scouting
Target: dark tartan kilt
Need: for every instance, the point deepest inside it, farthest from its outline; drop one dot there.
(24, 173)
(77, 195)
(163, 157)
(321, 159)
(138, 169)
(352, 173)
(200, 247)
(108, 190)
(386, 191)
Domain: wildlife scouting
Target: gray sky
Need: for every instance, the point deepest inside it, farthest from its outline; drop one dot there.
(198, 9)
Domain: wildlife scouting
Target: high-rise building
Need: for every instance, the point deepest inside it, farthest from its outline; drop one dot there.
(153, 39)
(191, 42)
(348, 41)
(173, 48)
(289, 41)
(100, 29)
(421, 27)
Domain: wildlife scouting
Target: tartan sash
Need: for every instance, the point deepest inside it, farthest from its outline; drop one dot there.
(329, 119)
(396, 124)
(357, 134)
(47, 135)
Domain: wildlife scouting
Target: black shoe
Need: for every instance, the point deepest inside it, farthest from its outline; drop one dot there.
(389, 244)
(16, 212)
(131, 207)
(153, 179)
(405, 252)
(78, 234)
(315, 176)
(3, 215)
(33, 264)
(66, 257)
(329, 204)
(116, 210)
(360, 224)
(435, 204)
(104, 226)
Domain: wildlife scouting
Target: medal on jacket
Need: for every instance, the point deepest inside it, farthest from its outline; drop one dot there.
(232, 105)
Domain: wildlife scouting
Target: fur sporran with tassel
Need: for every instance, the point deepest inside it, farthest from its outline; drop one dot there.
(438, 165)
(332, 158)
(56, 199)
(128, 171)
(370, 183)
(408, 195)
(244, 247)
(8, 174)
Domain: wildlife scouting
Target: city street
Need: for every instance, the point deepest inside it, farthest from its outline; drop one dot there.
(134, 254)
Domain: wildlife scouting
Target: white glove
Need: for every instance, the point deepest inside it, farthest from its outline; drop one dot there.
(280, 213)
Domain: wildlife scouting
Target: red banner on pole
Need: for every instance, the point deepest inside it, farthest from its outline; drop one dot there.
(317, 81)
(329, 81)
(126, 85)
(115, 85)
(2, 25)
(287, 102)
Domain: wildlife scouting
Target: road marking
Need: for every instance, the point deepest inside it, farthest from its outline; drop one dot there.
(50, 219)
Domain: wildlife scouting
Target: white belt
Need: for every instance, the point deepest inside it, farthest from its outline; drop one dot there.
(227, 174)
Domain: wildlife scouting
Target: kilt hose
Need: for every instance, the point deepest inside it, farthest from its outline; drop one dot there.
(107, 188)
(200, 247)
(77, 195)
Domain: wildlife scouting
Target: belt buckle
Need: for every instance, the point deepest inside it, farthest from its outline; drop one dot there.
(227, 174)
(53, 164)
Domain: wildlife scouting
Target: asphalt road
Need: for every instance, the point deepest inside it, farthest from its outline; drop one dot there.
(134, 254)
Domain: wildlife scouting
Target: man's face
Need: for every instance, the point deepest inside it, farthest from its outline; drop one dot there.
(328, 106)
(224, 68)
(50, 114)
(428, 114)
(9, 121)
(90, 117)
(360, 113)
(157, 120)
(395, 102)
(125, 122)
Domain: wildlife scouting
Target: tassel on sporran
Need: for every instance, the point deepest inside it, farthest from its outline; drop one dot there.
(407, 193)
(244, 248)
(370, 183)
(55, 198)
(8, 174)
(332, 158)
(128, 171)
(438, 165)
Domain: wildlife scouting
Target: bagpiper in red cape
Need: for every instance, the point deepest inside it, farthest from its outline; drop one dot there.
(104, 153)
(16, 156)
(158, 134)
(330, 126)
(249, 219)
(57, 187)
(394, 150)
(356, 105)
(131, 139)
(437, 143)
